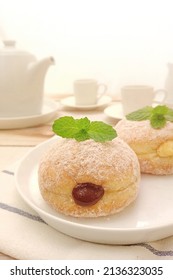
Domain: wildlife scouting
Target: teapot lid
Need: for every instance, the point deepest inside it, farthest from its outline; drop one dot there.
(10, 49)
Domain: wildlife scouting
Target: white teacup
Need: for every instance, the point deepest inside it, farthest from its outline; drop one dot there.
(135, 97)
(88, 91)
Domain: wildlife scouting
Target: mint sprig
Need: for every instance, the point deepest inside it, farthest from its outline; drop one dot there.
(83, 129)
(158, 116)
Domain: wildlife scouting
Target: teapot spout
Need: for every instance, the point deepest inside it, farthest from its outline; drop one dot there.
(37, 70)
(41, 66)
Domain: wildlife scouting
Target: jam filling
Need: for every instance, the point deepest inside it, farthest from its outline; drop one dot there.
(86, 194)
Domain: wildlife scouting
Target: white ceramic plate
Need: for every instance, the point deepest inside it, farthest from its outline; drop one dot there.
(114, 111)
(70, 102)
(149, 218)
(48, 112)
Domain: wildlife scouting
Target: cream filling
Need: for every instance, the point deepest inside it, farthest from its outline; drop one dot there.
(166, 149)
(163, 151)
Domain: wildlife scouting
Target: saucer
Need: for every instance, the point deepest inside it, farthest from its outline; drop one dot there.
(49, 111)
(114, 111)
(70, 102)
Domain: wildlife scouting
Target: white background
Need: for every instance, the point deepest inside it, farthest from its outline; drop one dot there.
(115, 41)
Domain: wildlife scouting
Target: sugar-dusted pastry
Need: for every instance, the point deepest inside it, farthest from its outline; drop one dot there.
(89, 178)
(151, 138)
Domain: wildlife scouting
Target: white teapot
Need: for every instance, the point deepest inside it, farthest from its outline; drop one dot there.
(21, 81)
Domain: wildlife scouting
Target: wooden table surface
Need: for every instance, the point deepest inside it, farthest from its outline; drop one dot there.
(14, 143)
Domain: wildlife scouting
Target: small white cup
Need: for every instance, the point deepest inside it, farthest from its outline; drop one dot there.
(87, 92)
(135, 97)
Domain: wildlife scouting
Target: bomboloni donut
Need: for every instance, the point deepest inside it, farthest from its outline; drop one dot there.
(153, 147)
(89, 179)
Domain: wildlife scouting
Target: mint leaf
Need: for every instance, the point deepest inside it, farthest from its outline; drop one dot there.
(82, 129)
(169, 118)
(141, 114)
(83, 123)
(169, 115)
(158, 116)
(157, 121)
(82, 135)
(101, 132)
(65, 127)
(160, 109)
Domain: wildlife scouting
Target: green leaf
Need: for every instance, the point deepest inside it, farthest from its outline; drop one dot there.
(82, 129)
(160, 109)
(157, 121)
(82, 135)
(169, 118)
(65, 127)
(141, 114)
(101, 132)
(169, 115)
(83, 123)
(158, 115)
(170, 111)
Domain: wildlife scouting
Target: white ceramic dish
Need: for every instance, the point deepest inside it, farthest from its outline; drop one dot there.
(114, 111)
(149, 218)
(48, 112)
(70, 102)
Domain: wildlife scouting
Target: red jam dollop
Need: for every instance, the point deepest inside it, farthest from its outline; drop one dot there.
(87, 194)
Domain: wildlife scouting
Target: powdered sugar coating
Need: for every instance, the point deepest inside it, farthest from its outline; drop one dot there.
(137, 131)
(146, 142)
(88, 158)
(112, 165)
